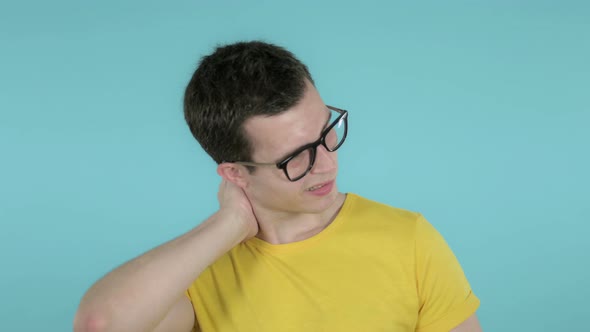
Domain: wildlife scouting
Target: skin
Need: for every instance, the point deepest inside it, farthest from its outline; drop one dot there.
(471, 324)
(285, 211)
(147, 293)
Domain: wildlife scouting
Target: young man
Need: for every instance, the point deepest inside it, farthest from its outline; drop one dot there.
(286, 251)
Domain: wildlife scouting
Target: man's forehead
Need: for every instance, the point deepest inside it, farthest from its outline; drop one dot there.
(286, 131)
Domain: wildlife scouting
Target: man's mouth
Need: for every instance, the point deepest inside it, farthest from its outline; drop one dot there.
(318, 186)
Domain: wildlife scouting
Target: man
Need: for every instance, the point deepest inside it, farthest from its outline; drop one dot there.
(285, 251)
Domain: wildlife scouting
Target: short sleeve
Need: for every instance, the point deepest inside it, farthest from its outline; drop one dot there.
(196, 325)
(446, 298)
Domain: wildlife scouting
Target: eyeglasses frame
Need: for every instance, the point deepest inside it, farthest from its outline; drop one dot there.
(313, 146)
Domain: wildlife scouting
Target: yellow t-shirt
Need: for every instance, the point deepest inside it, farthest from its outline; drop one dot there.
(374, 268)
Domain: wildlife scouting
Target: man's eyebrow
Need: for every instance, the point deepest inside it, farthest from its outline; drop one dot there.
(326, 124)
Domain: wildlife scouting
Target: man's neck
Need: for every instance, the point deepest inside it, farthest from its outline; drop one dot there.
(287, 228)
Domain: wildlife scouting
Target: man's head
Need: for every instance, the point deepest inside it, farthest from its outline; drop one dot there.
(253, 102)
(237, 82)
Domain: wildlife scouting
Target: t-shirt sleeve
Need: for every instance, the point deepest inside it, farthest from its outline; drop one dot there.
(446, 298)
(196, 327)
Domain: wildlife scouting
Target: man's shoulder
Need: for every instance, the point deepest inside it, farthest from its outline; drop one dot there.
(381, 226)
(366, 205)
(369, 209)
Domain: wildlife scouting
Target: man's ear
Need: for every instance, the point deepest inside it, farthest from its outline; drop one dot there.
(236, 174)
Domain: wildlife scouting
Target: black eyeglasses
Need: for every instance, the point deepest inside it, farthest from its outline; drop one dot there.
(300, 162)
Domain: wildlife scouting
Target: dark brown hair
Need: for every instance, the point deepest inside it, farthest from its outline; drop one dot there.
(236, 82)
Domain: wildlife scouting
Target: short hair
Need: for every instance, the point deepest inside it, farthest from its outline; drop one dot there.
(234, 83)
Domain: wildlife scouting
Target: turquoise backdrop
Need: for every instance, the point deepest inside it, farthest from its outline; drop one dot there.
(475, 113)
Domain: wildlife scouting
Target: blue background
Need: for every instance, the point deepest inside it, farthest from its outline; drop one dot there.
(475, 113)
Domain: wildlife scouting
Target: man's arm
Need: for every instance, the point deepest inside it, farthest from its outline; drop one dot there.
(180, 318)
(471, 324)
(148, 291)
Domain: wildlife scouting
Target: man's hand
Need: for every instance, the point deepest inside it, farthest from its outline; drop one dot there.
(234, 203)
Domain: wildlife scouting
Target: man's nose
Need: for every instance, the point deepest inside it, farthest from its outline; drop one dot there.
(325, 161)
